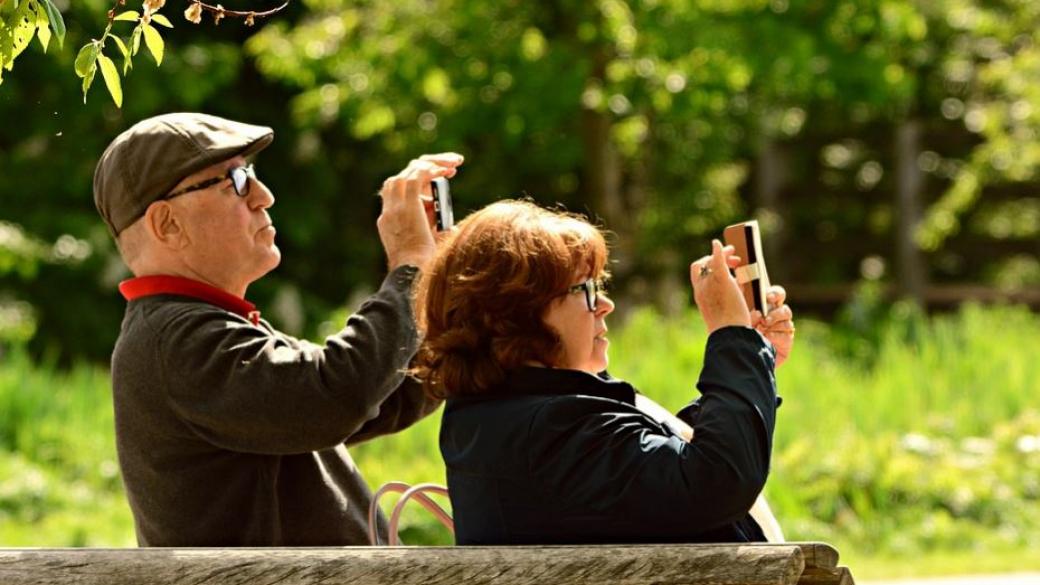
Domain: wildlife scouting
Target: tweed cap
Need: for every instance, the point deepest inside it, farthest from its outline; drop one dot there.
(148, 160)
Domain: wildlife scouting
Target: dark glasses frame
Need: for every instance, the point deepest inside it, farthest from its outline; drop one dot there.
(591, 287)
(239, 177)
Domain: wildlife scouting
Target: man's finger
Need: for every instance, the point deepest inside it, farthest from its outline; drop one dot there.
(429, 169)
(393, 189)
(414, 187)
(451, 159)
(423, 174)
(431, 216)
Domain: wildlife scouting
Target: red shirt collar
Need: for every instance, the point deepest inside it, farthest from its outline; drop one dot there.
(162, 284)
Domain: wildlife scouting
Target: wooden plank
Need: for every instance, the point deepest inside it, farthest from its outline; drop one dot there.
(517, 565)
(818, 554)
(823, 576)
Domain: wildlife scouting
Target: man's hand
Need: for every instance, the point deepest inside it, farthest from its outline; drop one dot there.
(716, 291)
(778, 324)
(404, 224)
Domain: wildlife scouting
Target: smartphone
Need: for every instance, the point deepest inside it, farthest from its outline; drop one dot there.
(442, 204)
(751, 274)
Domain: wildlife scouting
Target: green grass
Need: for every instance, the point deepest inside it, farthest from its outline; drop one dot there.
(59, 480)
(909, 443)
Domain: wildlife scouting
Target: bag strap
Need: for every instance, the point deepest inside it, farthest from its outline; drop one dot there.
(418, 492)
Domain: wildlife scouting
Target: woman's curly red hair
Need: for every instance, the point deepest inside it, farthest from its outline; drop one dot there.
(481, 300)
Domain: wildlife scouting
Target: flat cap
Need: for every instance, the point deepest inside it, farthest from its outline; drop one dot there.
(148, 160)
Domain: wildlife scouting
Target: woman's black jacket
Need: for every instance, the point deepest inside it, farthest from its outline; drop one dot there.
(562, 456)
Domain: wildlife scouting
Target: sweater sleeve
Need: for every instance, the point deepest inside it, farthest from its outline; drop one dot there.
(251, 389)
(616, 461)
(406, 406)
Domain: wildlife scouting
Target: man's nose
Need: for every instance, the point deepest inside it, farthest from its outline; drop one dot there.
(260, 197)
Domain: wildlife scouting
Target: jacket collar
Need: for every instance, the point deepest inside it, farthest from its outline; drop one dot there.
(163, 284)
(551, 381)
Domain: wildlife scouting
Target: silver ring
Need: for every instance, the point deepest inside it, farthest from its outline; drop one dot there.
(705, 270)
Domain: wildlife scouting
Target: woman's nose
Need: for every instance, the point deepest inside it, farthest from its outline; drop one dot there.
(604, 306)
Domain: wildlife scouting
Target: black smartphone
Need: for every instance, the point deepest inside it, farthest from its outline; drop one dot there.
(442, 204)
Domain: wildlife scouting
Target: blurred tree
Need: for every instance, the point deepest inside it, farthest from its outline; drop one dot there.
(837, 123)
(652, 115)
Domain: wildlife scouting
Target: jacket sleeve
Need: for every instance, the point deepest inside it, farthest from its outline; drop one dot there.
(625, 467)
(406, 406)
(251, 389)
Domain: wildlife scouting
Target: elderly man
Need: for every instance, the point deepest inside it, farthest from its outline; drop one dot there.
(230, 432)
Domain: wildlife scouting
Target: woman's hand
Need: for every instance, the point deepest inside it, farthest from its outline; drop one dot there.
(778, 324)
(717, 293)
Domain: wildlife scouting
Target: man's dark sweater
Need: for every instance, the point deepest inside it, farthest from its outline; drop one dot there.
(231, 433)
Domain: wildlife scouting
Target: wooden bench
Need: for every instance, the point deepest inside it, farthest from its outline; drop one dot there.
(687, 564)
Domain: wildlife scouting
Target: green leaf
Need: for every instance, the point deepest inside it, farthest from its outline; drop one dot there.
(162, 20)
(21, 33)
(135, 41)
(6, 46)
(87, 80)
(154, 42)
(131, 15)
(57, 22)
(85, 61)
(127, 62)
(111, 75)
(43, 29)
(4, 34)
(120, 44)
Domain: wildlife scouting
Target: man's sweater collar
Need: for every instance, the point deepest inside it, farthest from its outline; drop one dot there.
(162, 284)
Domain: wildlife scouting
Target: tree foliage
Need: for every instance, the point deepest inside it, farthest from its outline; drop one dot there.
(665, 118)
(655, 113)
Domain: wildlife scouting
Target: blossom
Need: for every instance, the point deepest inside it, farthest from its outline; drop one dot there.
(194, 12)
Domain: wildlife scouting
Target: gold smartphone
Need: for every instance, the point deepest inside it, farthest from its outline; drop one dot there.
(751, 274)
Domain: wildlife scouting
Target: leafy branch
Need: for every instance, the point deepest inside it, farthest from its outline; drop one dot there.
(21, 20)
(194, 12)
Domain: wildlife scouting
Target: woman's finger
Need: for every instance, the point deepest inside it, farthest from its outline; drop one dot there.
(782, 313)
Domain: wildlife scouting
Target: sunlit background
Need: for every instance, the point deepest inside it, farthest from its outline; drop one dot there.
(889, 149)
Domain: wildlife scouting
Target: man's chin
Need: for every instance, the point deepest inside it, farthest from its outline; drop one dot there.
(277, 257)
(274, 259)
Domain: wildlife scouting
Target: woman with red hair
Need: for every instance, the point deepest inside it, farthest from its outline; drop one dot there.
(541, 445)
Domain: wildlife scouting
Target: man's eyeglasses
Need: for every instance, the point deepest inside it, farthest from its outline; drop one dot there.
(239, 180)
(591, 288)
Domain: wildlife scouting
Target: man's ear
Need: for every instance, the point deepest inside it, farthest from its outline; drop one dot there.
(166, 225)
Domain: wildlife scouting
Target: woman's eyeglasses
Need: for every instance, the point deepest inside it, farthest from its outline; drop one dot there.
(591, 288)
(239, 180)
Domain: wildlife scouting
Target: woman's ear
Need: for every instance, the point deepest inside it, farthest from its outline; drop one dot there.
(166, 225)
